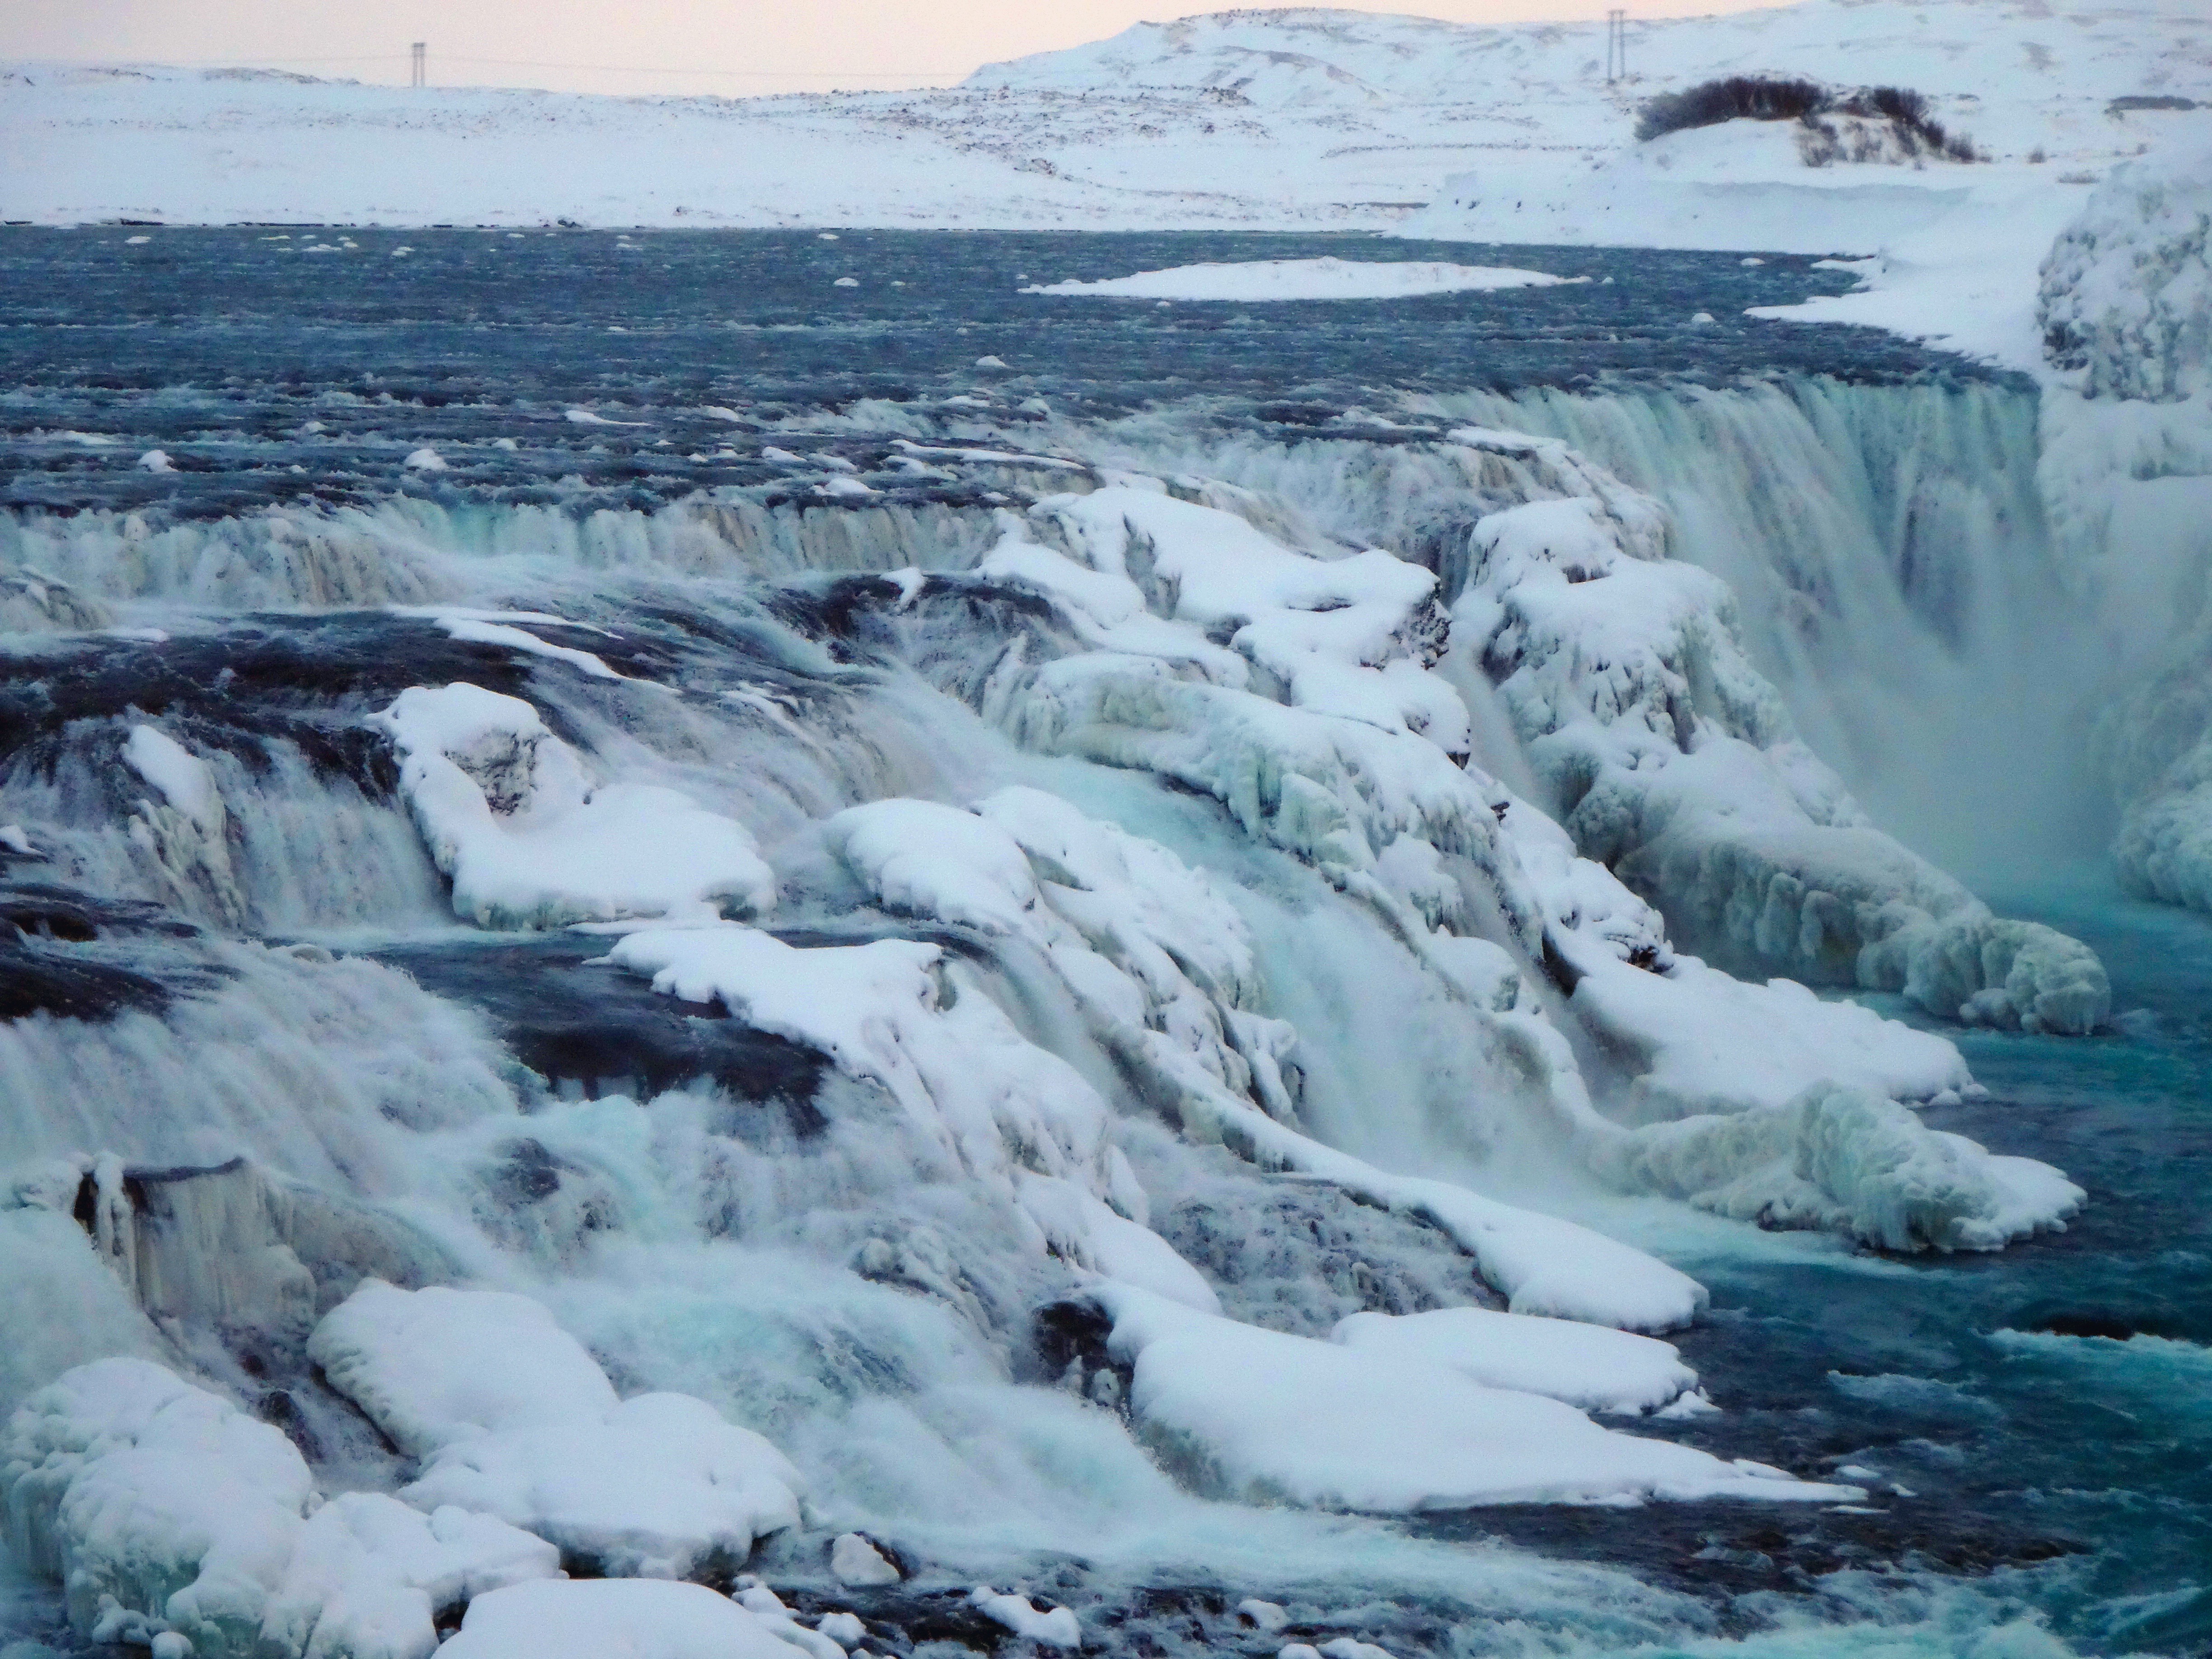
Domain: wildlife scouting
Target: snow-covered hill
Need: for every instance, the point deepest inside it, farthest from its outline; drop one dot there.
(2016, 72)
(1289, 119)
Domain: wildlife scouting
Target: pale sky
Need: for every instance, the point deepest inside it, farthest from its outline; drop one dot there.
(731, 46)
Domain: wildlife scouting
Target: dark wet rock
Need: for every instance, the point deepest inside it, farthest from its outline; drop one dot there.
(1304, 1254)
(606, 1032)
(75, 955)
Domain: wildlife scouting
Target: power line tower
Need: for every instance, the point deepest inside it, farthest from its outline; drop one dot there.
(1616, 44)
(419, 66)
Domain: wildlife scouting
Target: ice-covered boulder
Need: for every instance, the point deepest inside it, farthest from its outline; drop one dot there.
(1256, 1415)
(369, 1577)
(2164, 848)
(436, 1366)
(2126, 292)
(159, 1506)
(853, 1559)
(510, 1416)
(660, 1486)
(511, 815)
(1058, 1628)
(612, 1619)
(167, 1513)
(1851, 1160)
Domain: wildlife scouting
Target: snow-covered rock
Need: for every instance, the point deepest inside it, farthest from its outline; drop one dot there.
(662, 1486)
(437, 1366)
(182, 778)
(511, 815)
(1259, 1415)
(1587, 1366)
(612, 1619)
(1057, 1629)
(1160, 965)
(854, 1560)
(898, 1014)
(510, 1416)
(369, 1576)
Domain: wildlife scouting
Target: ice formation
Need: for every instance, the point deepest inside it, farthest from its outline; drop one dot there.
(2127, 291)
(2126, 313)
(1341, 752)
(1673, 762)
(1325, 278)
(1585, 1365)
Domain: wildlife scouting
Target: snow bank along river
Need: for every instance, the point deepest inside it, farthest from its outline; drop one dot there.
(1004, 972)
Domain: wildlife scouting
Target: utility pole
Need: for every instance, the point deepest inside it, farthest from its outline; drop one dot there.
(1616, 44)
(419, 64)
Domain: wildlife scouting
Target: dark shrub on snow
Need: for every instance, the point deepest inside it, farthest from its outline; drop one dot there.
(1753, 97)
(1913, 130)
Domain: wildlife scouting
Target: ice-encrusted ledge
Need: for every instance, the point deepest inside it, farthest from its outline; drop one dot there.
(1673, 763)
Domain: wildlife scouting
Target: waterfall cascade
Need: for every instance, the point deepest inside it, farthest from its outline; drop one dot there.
(1080, 917)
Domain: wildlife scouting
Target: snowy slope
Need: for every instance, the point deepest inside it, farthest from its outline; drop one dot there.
(2015, 72)
(1286, 119)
